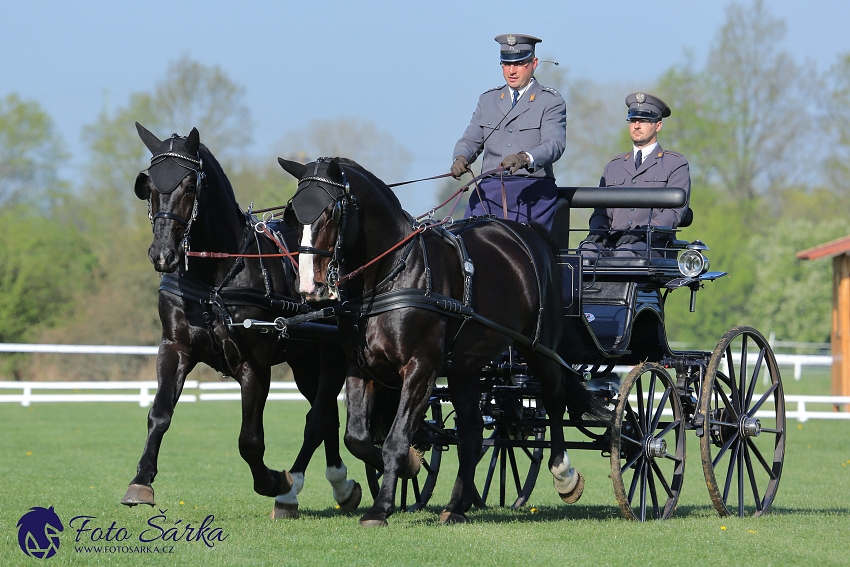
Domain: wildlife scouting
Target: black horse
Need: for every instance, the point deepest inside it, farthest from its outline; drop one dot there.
(190, 200)
(415, 308)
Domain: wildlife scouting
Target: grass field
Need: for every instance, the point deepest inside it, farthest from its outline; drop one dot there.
(80, 457)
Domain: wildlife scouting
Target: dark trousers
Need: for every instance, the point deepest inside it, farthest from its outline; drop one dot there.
(529, 199)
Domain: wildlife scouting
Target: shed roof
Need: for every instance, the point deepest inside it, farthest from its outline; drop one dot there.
(827, 249)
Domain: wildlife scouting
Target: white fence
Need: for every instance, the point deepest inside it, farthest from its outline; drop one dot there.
(194, 391)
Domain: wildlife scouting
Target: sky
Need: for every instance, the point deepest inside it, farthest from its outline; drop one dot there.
(414, 69)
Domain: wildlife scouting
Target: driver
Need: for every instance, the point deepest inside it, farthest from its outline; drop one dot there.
(521, 125)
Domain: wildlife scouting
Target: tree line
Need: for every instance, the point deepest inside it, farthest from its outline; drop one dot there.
(767, 138)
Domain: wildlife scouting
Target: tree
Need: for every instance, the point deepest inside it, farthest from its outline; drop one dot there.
(377, 151)
(44, 266)
(837, 124)
(747, 113)
(793, 298)
(31, 153)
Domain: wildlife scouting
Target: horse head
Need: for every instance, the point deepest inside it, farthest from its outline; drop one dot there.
(172, 187)
(328, 217)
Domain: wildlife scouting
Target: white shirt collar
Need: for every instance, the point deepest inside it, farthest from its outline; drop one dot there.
(646, 151)
(522, 90)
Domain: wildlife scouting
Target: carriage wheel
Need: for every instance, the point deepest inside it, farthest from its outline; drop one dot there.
(524, 463)
(413, 494)
(647, 475)
(742, 438)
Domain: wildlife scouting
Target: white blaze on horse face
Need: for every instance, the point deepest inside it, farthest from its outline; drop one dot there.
(306, 283)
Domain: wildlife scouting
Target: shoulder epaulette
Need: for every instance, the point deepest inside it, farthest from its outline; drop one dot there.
(621, 156)
(673, 153)
(549, 90)
(494, 89)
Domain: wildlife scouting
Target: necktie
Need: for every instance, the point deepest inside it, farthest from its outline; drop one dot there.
(638, 158)
(516, 96)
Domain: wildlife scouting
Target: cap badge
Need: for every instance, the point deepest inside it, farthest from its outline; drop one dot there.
(511, 40)
(640, 97)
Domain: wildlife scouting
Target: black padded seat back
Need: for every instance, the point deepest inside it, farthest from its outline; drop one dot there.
(609, 308)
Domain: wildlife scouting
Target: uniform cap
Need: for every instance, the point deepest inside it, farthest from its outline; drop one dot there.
(642, 105)
(515, 47)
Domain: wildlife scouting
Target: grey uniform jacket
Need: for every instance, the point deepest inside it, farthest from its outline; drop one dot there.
(537, 125)
(661, 169)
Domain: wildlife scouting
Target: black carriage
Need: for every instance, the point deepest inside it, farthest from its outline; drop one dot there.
(731, 398)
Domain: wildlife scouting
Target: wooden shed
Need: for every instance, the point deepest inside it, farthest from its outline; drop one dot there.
(839, 251)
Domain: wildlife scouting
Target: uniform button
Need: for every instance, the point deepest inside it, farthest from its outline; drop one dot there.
(489, 123)
(630, 223)
(509, 145)
(529, 124)
(632, 209)
(510, 131)
(634, 180)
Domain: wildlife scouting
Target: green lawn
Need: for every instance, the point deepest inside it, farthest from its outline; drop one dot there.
(80, 457)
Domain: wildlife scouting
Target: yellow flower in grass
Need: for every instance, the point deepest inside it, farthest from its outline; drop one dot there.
(181, 502)
(534, 510)
(751, 531)
(723, 528)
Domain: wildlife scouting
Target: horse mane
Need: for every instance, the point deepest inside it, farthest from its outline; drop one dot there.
(213, 169)
(382, 187)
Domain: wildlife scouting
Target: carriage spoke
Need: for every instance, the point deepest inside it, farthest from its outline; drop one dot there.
(643, 475)
(630, 440)
(659, 410)
(752, 478)
(490, 471)
(772, 430)
(727, 402)
(742, 376)
(723, 450)
(634, 419)
(730, 472)
(515, 471)
(635, 479)
(502, 476)
(664, 484)
(650, 398)
(653, 495)
(764, 398)
(754, 379)
(730, 366)
(631, 461)
(669, 427)
(640, 406)
(761, 459)
(741, 482)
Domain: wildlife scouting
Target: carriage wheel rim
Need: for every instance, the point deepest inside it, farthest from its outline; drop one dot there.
(742, 471)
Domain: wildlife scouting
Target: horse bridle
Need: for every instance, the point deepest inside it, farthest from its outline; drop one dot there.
(339, 217)
(200, 180)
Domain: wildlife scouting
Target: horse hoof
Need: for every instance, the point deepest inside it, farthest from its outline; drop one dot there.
(414, 464)
(372, 523)
(573, 495)
(351, 503)
(138, 494)
(448, 517)
(284, 511)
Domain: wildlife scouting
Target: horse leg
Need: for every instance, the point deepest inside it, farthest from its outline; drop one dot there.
(172, 367)
(470, 429)
(322, 426)
(359, 400)
(254, 380)
(568, 482)
(418, 378)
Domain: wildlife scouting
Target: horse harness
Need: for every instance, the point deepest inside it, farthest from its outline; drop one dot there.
(411, 297)
(220, 298)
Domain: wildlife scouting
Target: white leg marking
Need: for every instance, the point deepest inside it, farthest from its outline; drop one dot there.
(566, 477)
(291, 497)
(305, 263)
(342, 488)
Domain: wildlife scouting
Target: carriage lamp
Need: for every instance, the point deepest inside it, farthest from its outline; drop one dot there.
(692, 262)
